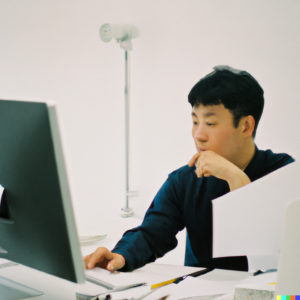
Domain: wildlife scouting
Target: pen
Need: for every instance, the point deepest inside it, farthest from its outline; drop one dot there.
(178, 279)
(262, 272)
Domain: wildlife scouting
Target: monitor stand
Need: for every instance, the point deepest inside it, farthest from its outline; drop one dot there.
(10, 290)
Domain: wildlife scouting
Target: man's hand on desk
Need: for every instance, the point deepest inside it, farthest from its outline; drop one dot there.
(105, 259)
(212, 164)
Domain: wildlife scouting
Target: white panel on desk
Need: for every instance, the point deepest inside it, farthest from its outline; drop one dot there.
(249, 221)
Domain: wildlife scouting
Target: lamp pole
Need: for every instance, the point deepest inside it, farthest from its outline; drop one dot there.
(127, 211)
(123, 35)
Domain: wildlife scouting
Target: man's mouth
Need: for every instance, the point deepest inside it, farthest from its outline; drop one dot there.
(200, 149)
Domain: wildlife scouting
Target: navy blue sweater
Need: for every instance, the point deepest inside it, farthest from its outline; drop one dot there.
(184, 200)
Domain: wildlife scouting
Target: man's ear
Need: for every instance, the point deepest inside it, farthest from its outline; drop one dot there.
(248, 124)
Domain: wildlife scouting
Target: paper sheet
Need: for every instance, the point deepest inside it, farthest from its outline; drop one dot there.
(217, 282)
(249, 221)
(133, 293)
(138, 292)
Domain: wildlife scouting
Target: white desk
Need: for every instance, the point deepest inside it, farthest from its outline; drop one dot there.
(56, 288)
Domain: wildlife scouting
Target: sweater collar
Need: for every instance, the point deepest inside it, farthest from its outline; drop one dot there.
(255, 165)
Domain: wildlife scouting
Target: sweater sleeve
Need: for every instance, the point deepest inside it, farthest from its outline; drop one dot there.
(157, 234)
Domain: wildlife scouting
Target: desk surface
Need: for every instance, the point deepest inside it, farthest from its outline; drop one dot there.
(215, 282)
(56, 288)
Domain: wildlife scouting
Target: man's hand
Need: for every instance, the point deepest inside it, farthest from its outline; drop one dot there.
(211, 164)
(105, 259)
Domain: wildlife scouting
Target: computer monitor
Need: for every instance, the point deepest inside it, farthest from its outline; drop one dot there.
(37, 226)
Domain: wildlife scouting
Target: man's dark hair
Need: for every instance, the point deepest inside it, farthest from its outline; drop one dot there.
(237, 90)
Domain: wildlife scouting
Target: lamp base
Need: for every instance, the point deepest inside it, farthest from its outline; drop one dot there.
(127, 212)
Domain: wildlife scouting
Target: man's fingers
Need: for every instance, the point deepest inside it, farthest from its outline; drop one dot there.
(117, 263)
(207, 174)
(199, 174)
(199, 170)
(87, 258)
(200, 166)
(98, 256)
(105, 259)
(206, 171)
(113, 265)
(192, 162)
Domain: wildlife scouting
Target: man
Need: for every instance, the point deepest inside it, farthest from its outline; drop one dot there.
(226, 108)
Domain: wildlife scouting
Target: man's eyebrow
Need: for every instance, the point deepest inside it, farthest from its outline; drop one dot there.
(208, 114)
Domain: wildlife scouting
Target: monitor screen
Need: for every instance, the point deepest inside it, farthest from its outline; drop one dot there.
(37, 226)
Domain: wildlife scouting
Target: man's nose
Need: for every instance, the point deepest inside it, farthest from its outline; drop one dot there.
(200, 133)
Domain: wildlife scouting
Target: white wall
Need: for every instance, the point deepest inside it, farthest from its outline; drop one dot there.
(51, 50)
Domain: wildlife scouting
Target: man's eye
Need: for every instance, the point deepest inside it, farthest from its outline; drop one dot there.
(210, 124)
(195, 123)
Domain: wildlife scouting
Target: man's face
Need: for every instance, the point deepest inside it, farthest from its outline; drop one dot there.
(213, 130)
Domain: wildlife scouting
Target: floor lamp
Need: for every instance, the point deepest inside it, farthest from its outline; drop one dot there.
(123, 33)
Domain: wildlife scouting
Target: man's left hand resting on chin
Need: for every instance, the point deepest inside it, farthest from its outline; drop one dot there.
(211, 164)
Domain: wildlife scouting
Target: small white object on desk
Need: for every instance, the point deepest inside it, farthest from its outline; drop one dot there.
(254, 292)
(91, 239)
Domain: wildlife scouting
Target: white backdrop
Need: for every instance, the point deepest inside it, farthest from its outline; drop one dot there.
(51, 50)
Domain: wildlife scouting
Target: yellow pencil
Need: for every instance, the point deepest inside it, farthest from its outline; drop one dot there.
(157, 285)
(178, 279)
